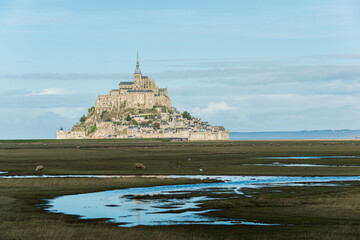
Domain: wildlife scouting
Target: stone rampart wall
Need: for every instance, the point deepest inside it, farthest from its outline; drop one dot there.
(163, 101)
(143, 99)
(117, 98)
(106, 129)
(70, 135)
(224, 135)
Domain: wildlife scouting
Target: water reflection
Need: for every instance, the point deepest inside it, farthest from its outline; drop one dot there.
(309, 157)
(161, 206)
(279, 164)
(137, 202)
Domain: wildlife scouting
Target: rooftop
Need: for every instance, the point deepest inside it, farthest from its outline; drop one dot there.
(140, 91)
(126, 83)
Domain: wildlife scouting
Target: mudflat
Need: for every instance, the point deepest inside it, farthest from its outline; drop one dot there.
(320, 212)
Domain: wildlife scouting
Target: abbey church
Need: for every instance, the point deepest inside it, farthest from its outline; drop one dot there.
(141, 92)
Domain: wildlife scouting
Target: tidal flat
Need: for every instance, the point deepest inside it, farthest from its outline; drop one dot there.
(178, 204)
(304, 212)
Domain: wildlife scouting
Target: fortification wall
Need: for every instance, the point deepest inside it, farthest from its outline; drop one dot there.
(105, 129)
(117, 98)
(224, 135)
(109, 102)
(103, 102)
(144, 99)
(163, 101)
(70, 135)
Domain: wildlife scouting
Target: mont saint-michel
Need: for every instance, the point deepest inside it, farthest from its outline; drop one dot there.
(140, 109)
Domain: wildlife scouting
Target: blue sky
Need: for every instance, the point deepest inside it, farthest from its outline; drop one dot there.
(250, 65)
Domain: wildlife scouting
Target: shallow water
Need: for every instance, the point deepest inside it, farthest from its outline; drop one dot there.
(120, 207)
(296, 165)
(309, 157)
(2, 172)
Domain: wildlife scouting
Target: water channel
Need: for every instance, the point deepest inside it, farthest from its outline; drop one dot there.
(125, 208)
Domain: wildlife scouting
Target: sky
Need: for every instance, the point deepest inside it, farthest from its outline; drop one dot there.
(249, 65)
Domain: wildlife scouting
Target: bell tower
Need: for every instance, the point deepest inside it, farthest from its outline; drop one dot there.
(137, 72)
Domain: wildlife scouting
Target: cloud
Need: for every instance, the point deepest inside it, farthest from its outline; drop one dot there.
(247, 71)
(67, 76)
(211, 108)
(45, 99)
(51, 91)
(240, 94)
(265, 73)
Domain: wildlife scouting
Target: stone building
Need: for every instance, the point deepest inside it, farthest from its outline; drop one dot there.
(140, 92)
(73, 134)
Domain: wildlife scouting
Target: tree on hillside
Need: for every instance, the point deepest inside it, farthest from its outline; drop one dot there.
(221, 128)
(134, 122)
(156, 125)
(93, 128)
(105, 116)
(186, 115)
(83, 119)
(91, 110)
(128, 118)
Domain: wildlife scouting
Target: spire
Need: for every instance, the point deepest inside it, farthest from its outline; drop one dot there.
(137, 58)
(137, 69)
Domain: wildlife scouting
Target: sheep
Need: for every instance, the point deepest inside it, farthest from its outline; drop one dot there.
(39, 168)
(140, 166)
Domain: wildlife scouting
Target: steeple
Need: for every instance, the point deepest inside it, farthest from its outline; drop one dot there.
(137, 69)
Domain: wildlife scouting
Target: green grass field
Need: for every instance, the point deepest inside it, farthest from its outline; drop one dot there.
(164, 157)
(304, 212)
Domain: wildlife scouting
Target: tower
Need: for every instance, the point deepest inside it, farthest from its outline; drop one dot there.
(137, 72)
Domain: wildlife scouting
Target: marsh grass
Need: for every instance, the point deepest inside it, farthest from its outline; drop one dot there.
(164, 157)
(22, 217)
(298, 206)
(304, 212)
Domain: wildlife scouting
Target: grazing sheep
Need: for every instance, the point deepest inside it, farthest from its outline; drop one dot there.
(140, 166)
(39, 168)
(78, 147)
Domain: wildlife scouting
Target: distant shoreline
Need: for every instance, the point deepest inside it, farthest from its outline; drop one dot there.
(344, 134)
